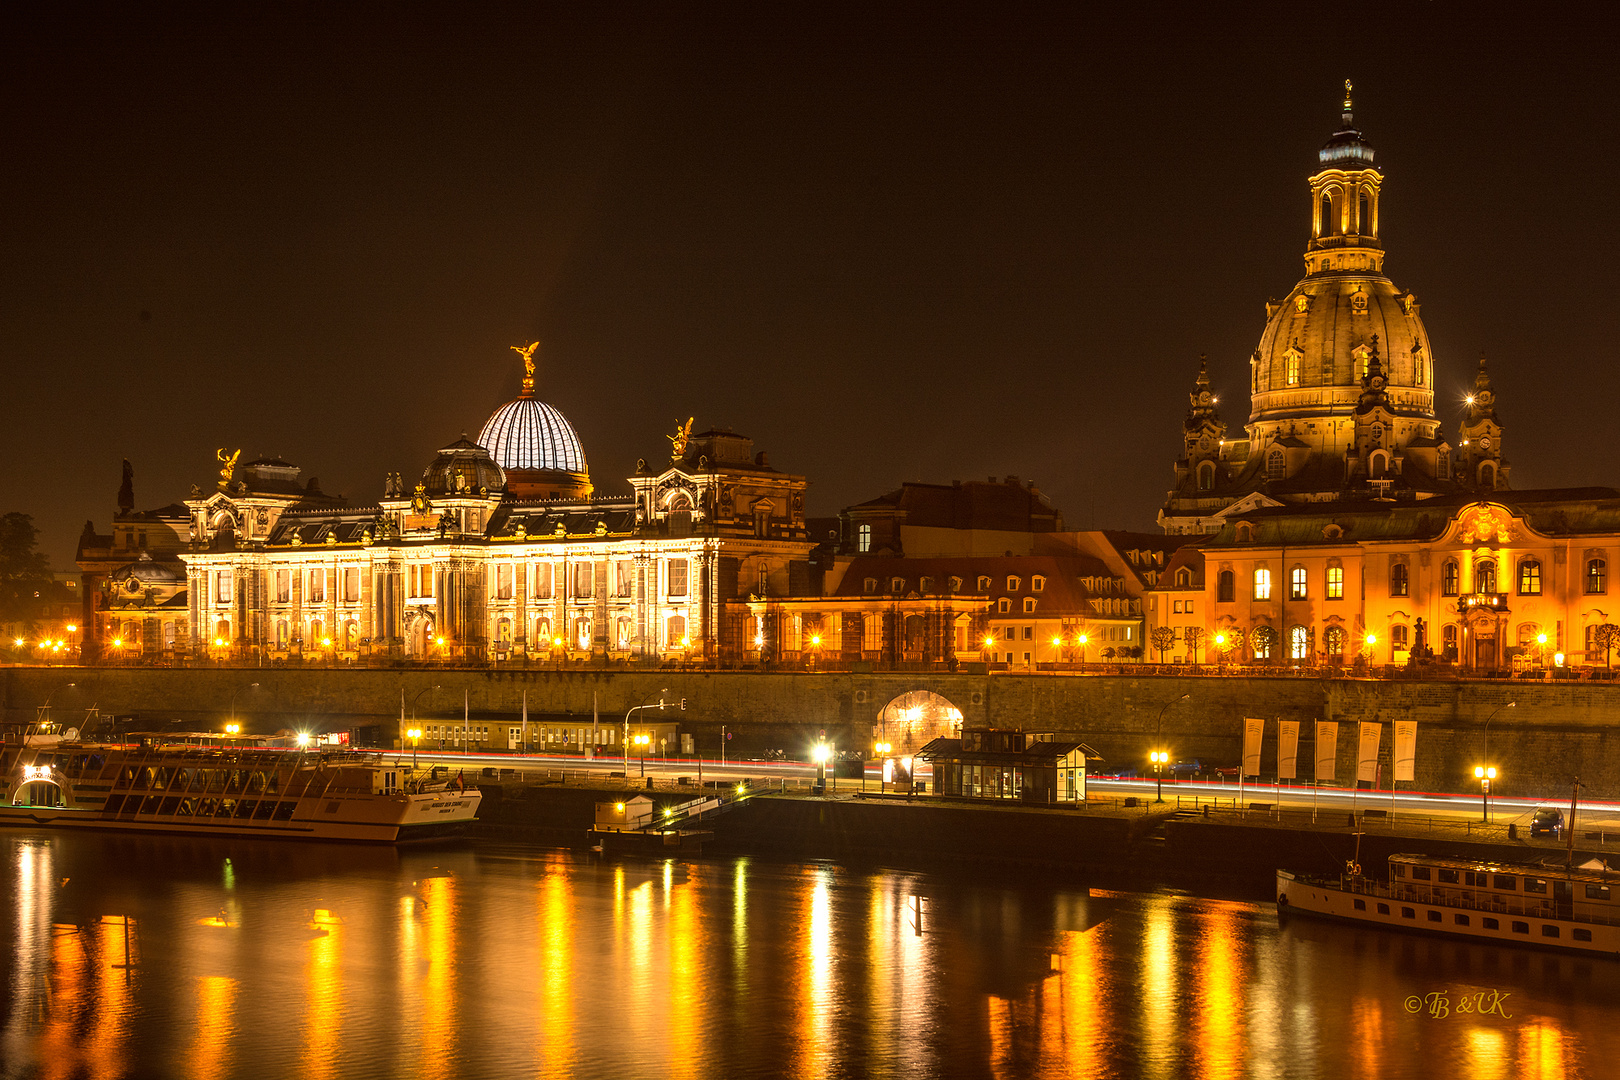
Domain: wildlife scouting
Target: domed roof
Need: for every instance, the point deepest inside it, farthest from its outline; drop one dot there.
(1347, 149)
(1309, 359)
(529, 434)
(463, 467)
(147, 571)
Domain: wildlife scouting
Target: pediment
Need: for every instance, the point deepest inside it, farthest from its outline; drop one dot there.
(1488, 523)
(1252, 501)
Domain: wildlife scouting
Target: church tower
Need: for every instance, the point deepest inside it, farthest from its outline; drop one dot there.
(1479, 457)
(1342, 384)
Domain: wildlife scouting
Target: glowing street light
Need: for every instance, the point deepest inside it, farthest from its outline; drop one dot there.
(233, 729)
(1485, 774)
(415, 735)
(1160, 759)
(303, 738)
(641, 740)
(821, 753)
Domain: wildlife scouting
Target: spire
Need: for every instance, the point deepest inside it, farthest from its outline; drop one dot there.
(1203, 412)
(1482, 400)
(1349, 108)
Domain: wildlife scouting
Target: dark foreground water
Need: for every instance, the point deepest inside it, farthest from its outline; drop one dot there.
(186, 958)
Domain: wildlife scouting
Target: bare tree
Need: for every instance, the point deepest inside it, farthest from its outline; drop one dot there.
(1194, 636)
(1164, 638)
(1605, 637)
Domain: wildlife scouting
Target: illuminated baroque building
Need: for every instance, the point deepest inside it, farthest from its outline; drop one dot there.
(1347, 526)
(500, 550)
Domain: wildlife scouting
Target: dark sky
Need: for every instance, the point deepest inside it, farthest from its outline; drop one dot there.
(889, 244)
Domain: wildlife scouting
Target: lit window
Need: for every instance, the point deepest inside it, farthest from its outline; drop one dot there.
(1597, 575)
(1262, 584)
(1293, 368)
(1335, 583)
(1530, 578)
(677, 577)
(1485, 577)
(863, 538)
(1398, 580)
(1296, 583)
(1299, 643)
(1448, 579)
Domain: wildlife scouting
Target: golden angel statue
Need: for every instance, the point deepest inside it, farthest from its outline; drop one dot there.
(228, 461)
(527, 352)
(682, 436)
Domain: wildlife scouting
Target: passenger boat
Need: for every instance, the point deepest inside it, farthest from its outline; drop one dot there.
(213, 786)
(1511, 903)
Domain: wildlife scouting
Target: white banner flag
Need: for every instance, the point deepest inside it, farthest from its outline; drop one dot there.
(1327, 749)
(1367, 755)
(1287, 749)
(1405, 749)
(1254, 732)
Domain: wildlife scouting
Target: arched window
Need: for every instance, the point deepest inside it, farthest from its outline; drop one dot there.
(914, 630)
(1448, 578)
(582, 633)
(1299, 643)
(1296, 584)
(1183, 578)
(1335, 583)
(1530, 578)
(1485, 577)
(1327, 228)
(863, 538)
(1293, 369)
(317, 632)
(1398, 638)
(1487, 475)
(1448, 641)
(1364, 215)
(281, 633)
(675, 631)
(1262, 584)
(1206, 476)
(1380, 461)
(351, 635)
(1399, 582)
(1224, 588)
(1276, 469)
(1597, 575)
(1333, 642)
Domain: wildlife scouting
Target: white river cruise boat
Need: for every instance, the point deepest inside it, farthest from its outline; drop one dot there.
(1511, 903)
(209, 786)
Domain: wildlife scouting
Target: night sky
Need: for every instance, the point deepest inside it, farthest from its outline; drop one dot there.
(902, 244)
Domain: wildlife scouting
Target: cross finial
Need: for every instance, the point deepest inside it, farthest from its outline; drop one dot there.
(1347, 89)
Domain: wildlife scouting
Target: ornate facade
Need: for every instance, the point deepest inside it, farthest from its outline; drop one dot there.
(499, 552)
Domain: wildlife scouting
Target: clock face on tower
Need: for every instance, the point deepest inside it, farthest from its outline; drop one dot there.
(1485, 443)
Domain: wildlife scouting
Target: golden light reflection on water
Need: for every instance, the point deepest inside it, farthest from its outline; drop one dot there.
(1073, 1006)
(430, 1013)
(1159, 1008)
(1367, 1035)
(1486, 1053)
(688, 943)
(555, 1045)
(114, 946)
(1545, 1052)
(322, 1026)
(64, 997)
(814, 1049)
(215, 1025)
(1219, 993)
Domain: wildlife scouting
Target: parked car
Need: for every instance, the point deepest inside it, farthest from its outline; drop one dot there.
(1547, 820)
(1227, 772)
(1188, 767)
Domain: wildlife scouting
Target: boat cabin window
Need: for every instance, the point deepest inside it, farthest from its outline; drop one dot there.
(1535, 885)
(1549, 930)
(1408, 913)
(1400, 869)
(1420, 873)
(1448, 877)
(1506, 881)
(1521, 928)
(1435, 916)
(1490, 923)
(1582, 935)
(1383, 909)
(1460, 920)
(1361, 905)
(1597, 892)
(1471, 878)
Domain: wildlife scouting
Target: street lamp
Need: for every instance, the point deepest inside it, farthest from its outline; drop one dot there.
(1485, 770)
(1485, 774)
(1541, 640)
(233, 727)
(1081, 641)
(821, 753)
(1159, 758)
(882, 750)
(641, 741)
(415, 735)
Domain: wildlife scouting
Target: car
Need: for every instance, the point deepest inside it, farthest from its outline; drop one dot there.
(1547, 820)
(1227, 772)
(1189, 767)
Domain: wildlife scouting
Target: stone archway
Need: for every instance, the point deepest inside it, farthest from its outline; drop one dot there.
(915, 718)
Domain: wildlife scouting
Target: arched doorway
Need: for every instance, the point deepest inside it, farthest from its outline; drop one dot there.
(914, 719)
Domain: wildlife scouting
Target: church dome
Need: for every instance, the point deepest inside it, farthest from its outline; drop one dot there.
(463, 468)
(529, 434)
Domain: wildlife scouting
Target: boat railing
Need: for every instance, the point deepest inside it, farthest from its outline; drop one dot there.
(1533, 909)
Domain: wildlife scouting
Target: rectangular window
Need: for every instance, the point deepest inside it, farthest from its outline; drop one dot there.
(1262, 584)
(1420, 873)
(677, 577)
(624, 578)
(542, 581)
(584, 579)
(1188, 607)
(1597, 892)
(1489, 923)
(1176, 607)
(1361, 905)
(317, 587)
(1435, 916)
(503, 581)
(1530, 578)
(223, 580)
(1521, 927)
(1549, 930)
(1408, 913)
(1597, 573)
(283, 586)
(1448, 579)
(351, 584)
(1447, 877)
(872, 632)
(1535, 885)
(1335, 583)
(1383, 909)
(1505, 882)
(1296, 583)
(1581, 935)
(1460, 920)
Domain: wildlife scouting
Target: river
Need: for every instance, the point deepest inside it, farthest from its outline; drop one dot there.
(182, 957)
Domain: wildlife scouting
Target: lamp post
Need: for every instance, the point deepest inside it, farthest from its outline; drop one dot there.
(1485, 771)
(1160, 757)
(821, 753)
(1220, 651)
(415, 735)
(418, 730)
(882, 751)
(45, 709)
(1081, 641)
(1485, 774)
(642, 739)
(1541, 642)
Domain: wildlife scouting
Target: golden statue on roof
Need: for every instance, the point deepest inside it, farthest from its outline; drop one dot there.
(228, 461)
(1347, 95)
(527, 352)
(682, 436)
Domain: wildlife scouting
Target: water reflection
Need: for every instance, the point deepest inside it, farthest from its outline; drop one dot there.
(247, 960)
